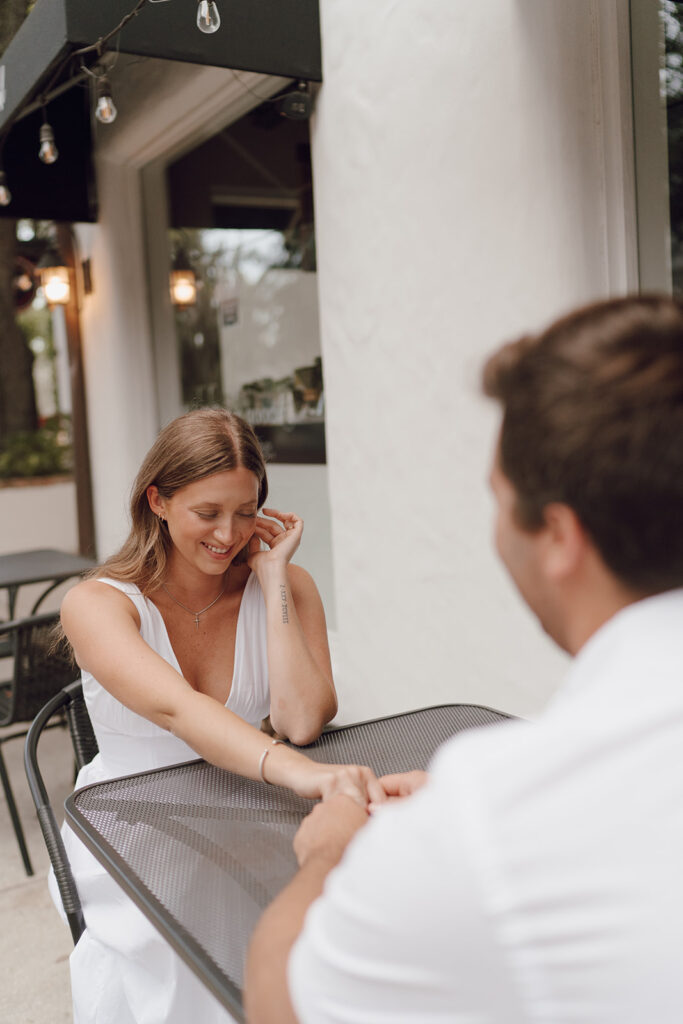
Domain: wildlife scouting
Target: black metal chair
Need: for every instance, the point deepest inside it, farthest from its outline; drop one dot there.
(70, 701)
(38, 673)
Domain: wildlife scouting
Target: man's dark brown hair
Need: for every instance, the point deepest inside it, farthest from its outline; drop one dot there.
(593, 418)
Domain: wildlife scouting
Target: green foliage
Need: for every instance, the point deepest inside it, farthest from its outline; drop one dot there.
(44, 452)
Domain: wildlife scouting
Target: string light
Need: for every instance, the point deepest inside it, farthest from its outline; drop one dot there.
(208, 18)
(105, 108)
(48, 151)
(5, 194)
(208, 22)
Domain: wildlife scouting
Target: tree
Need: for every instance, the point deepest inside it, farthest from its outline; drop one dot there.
(17, 398)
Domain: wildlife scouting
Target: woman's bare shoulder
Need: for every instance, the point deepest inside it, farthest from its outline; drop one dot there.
(92, 595)
(302, 584)
(300, 578)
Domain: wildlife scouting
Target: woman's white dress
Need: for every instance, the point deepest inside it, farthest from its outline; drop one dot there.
(122, 970)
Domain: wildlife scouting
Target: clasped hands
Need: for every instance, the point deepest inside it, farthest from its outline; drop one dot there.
(325, 833)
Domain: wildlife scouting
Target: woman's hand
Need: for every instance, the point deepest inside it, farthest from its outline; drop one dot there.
(282, 533)
(324, 781)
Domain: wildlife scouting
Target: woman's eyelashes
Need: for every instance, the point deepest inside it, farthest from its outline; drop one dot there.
(213, 515)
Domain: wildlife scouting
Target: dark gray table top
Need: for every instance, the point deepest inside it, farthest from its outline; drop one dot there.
(203, 851)
(40, 565)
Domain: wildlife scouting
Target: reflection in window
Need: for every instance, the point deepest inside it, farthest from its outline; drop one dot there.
(251, 341)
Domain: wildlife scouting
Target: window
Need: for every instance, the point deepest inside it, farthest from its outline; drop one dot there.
(241, 214)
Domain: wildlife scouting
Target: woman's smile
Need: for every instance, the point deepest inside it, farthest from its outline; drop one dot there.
(216, 551)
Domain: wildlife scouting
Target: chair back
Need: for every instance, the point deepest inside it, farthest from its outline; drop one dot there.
(70, 700)
(41, 668)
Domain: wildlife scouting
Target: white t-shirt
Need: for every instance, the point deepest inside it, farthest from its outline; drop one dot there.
(538, 876)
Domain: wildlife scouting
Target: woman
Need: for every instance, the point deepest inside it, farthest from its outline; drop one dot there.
(195, 631)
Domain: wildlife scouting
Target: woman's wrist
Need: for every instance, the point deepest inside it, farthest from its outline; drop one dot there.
(271, 574)
(282, 766)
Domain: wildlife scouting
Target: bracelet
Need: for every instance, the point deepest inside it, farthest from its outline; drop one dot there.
(262, 761)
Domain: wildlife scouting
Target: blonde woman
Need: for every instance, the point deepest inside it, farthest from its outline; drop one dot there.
(187, 638)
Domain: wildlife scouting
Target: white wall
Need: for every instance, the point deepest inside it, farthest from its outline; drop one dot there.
(117, 356)
(41, 514)
(304, 490)
(468, 187)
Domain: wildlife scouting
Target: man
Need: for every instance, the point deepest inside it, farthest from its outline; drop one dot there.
(538, 874)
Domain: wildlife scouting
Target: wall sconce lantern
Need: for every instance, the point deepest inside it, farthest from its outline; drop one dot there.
(54, 278)
(183, 282)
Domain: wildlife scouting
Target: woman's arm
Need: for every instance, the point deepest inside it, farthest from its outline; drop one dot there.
(103, 628)
(302, 694)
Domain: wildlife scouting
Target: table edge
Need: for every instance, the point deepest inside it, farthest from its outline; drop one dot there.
(189, 950)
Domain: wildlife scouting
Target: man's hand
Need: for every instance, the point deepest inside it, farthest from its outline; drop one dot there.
(328, 829)
(403, 784)
(319, 845)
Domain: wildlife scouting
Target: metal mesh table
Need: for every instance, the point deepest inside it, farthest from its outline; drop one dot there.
(203, 851)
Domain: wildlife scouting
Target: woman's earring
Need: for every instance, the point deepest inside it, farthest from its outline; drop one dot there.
(160, 517)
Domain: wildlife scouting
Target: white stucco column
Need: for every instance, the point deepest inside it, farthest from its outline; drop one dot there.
(467, 188)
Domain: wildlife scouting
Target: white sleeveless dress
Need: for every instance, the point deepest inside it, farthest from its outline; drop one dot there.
(122, 970)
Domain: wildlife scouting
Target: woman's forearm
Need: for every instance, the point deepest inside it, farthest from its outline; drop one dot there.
(226, 740)
(302, 695)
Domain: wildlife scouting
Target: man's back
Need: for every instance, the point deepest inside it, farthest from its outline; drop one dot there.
(537, 877)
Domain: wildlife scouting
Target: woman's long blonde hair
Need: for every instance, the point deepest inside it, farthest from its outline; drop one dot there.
(191, 447)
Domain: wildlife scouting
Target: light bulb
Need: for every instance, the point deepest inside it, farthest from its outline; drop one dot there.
(56, 286)
(208, 18)
(183, 288)
(48, 151)
(105, 110)
(5, 194)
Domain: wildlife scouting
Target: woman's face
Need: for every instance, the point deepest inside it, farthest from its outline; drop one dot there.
(211, 520)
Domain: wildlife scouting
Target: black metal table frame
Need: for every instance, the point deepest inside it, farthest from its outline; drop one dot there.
(178, 937)
(57, 566)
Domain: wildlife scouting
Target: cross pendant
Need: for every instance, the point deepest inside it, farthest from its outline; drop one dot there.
(196, 621)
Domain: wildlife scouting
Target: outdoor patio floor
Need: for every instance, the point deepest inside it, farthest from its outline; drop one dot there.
(34, 943)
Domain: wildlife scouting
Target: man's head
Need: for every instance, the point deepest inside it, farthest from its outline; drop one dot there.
(593, 422)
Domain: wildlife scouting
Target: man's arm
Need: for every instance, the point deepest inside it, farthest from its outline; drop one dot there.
(319, 845)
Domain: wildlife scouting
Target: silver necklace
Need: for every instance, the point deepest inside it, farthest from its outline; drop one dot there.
(196, 614)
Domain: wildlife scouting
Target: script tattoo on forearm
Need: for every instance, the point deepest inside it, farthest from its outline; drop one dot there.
(283, 602)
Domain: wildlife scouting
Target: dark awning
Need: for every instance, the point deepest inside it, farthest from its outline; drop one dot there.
(275, 37)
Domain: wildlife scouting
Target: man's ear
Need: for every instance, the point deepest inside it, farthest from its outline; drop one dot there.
(156, 502)
(565, 541)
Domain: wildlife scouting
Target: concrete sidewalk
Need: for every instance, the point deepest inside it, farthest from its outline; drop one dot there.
(34, 943)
